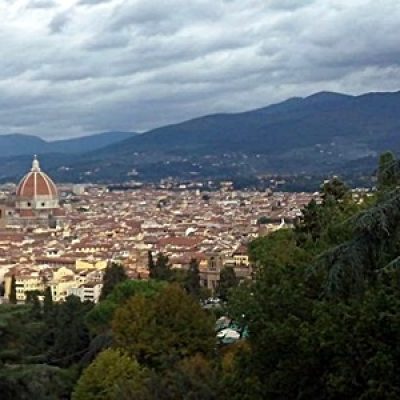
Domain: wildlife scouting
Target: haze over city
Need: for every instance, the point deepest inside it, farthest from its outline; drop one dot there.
(78, 67)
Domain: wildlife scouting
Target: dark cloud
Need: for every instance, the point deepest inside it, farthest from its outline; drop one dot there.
(69, 67)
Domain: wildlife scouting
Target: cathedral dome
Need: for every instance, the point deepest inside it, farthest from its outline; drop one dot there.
(36, 186)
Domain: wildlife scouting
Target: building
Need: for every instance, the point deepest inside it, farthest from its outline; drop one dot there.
(36, 201)
(27, 279)
(87, 292)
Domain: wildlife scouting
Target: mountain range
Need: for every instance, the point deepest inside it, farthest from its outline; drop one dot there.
(19, 144)
(325, 133)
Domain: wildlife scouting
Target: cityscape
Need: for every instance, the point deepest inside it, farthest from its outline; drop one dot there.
(64, 237)
(199, 200)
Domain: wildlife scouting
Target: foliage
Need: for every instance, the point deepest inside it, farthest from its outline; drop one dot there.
(388, 172)
(32, 297)
(110, 374)
(100, 317)
(192, 378)
(150, 261)
(114, 274)
(71, 336)
(322, 312)
(13, 291)
(372, 247)
(334, 191)
(227, 281)
(26, 382)
(192, 281)
(161, 269)
(161, 330)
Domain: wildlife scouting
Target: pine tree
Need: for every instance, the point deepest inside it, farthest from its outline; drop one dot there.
(13, 291)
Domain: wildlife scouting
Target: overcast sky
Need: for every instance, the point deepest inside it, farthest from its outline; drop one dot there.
(73, 67)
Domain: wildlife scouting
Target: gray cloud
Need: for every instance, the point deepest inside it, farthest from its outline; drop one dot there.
(93, 2)
(41, 4)
(59, 22)
(70, 67)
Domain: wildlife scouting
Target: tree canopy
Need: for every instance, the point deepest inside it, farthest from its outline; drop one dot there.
(164, 328)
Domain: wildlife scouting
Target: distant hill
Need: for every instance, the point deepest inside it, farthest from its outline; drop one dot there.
(321, 134)
(18, 144)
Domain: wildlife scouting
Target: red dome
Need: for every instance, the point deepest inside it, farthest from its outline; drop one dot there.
(36, 184)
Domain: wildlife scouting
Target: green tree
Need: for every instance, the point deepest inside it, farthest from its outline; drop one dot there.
(227, 281)
(311, 222)
(112, 373)
(32, 297)
(323, 333)
(192, 378)
(34, 381)
(48, 305)
(192, 281)
(100, 317)
(161, 330)
(335, 190)
(371, 249)
(263, 220)
(13, 291)
(113, 275)
(388, 172)
(162, 268)
(150, 262)
(70, 332)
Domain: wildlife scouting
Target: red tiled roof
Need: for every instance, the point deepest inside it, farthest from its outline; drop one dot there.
(36, 183)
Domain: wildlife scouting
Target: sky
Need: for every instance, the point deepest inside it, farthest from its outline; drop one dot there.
(75, 67)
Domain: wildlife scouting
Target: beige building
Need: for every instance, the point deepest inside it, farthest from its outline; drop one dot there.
(90, 264)
(59, 290)
(87, 292)
(27, 281)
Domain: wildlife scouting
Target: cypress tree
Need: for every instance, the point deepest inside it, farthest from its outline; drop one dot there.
(114, 274)
(32, 297)
(162, 269)
(13, 291)
(48, 302)
(150, 262)
(192, 283)
(227, 281)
